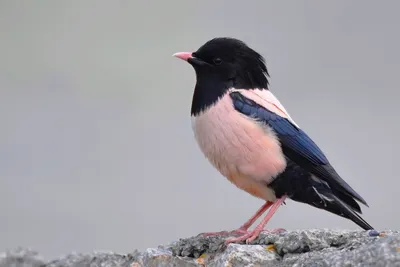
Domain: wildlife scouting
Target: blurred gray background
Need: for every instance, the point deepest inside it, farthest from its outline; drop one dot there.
(96, 146)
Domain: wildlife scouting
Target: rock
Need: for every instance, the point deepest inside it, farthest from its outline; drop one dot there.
(311, 248)
(21, 257)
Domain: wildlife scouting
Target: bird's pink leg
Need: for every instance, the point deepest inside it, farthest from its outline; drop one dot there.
(250, 236)
(254, 218)
(243, 229)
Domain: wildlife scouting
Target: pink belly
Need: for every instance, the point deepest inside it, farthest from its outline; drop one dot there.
(245, 152)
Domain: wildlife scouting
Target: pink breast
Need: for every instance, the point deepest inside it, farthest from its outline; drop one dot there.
(237, 145)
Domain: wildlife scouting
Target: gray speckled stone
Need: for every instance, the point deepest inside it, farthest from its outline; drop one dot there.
(240, 255)
(311, 248)
(21, 257)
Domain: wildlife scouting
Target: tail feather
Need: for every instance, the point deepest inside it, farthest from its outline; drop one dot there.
(339, 207)
(302, 186)
(320, 195)
(348, 200)
(337, 183)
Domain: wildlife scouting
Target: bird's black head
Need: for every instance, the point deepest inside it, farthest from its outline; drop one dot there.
(224, 63)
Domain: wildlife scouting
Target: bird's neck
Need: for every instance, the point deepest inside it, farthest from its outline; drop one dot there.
(206, 93)
(210, 87)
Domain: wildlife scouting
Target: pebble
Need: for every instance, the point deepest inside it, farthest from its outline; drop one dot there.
(373, 233)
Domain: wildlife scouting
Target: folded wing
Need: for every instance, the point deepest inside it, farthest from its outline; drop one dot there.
(296, 144)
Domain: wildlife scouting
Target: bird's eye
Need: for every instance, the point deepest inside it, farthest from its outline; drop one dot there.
(217, 61)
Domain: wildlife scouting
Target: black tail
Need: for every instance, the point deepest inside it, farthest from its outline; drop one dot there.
(340, 208)
(320, 195)
(299, 185)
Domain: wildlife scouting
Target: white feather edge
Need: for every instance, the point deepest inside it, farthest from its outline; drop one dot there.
(266, 99)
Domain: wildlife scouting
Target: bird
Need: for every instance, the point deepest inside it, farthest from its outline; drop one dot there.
(249, 137)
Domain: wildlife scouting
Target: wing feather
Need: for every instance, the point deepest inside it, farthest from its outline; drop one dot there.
(296, 144)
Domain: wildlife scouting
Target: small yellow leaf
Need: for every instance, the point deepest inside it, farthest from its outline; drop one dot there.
(201, 259)
(270, 248)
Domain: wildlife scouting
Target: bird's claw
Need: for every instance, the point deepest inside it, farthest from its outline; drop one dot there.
(251, 236)
(248, 238)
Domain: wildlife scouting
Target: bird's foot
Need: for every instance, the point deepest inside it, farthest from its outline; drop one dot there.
(252, 235)
(239, 231)
(248, 237)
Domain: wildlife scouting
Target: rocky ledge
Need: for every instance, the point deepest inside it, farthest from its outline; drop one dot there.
(311, 248)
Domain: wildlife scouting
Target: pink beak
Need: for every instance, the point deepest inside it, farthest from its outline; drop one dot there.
(183, 55)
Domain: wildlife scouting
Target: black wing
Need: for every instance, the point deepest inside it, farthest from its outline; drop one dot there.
(296, 144)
